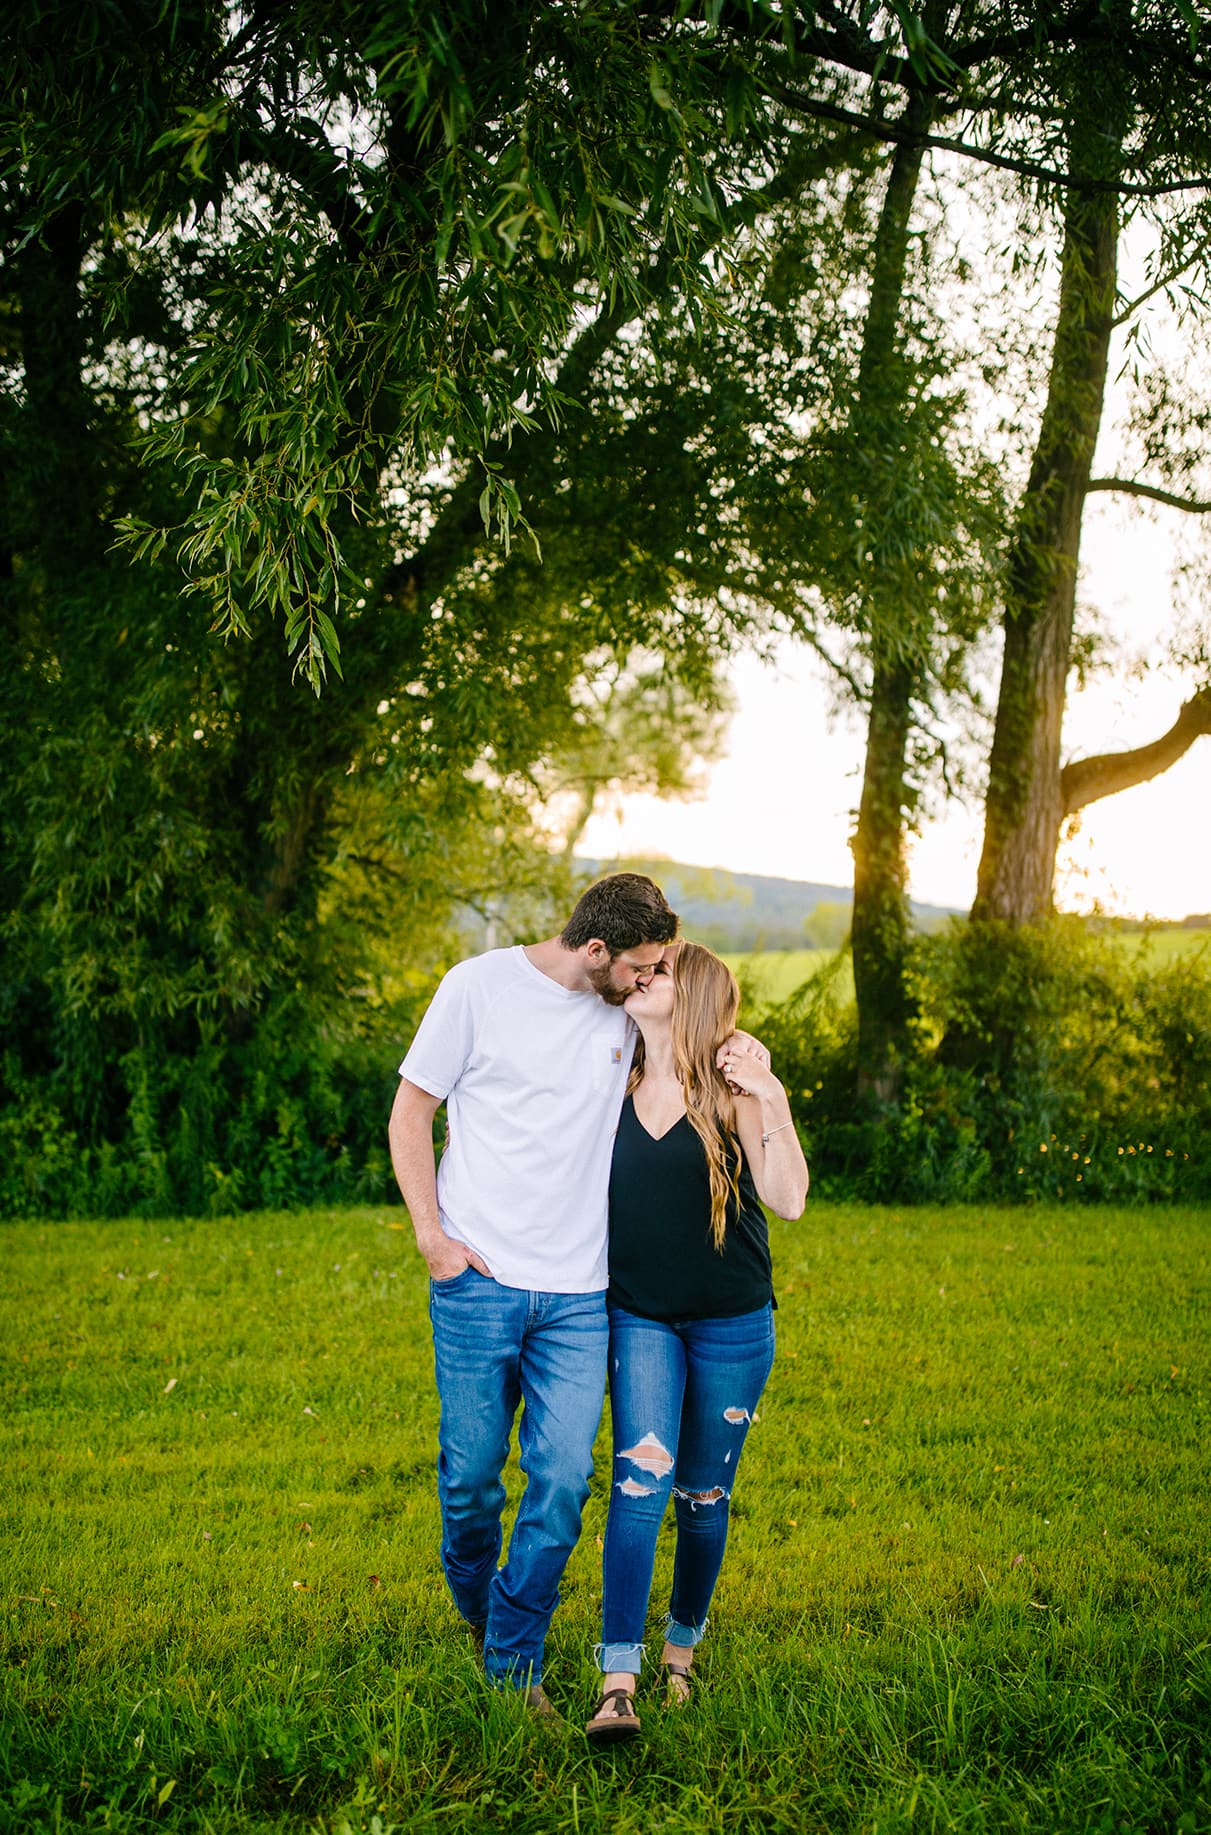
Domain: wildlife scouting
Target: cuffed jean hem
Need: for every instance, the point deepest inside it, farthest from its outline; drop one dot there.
(619, 1659)
(684, 1636)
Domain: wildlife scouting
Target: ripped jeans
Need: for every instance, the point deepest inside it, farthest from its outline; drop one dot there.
(682, 1396)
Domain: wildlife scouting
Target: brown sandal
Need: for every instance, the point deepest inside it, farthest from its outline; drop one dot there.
(679, 1678)
(614, 1718)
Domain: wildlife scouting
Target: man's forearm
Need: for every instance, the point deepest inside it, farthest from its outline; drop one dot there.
(410, 1134)
(416, 1175)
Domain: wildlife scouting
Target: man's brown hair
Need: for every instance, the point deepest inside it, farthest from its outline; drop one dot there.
(622, 911)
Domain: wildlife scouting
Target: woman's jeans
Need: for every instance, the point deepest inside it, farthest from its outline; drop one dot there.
(682, 1398)
(493, 1347)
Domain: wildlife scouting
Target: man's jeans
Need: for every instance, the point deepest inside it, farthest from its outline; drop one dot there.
(493, 1347)
(682, 1399)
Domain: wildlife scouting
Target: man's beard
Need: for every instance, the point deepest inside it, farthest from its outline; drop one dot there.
(599, 981)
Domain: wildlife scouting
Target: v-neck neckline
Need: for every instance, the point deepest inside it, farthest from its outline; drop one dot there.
(656, 1138)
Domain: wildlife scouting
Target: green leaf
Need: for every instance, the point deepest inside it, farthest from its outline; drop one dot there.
(658, 83)
(1190, 13)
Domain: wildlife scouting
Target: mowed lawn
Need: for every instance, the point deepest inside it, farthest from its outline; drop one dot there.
(967, 1590)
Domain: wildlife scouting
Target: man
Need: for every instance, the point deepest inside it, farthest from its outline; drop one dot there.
(530, 1050)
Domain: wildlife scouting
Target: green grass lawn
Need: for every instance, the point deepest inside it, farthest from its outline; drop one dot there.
(967, 1587)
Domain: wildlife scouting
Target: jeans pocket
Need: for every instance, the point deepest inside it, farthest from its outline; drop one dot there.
(463, 1277)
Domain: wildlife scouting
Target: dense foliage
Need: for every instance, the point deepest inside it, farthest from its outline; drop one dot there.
(219, 895)
(315, 320)
(1084, 1073)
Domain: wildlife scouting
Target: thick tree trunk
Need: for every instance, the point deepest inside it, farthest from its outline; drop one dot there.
(1024, 806)
(880, 918)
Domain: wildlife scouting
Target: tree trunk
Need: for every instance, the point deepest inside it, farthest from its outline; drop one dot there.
(880, 918)
(63, 461)
(1024, 805)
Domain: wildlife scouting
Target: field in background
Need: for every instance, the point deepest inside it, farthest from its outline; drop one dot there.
(768, 978)
(1162, 946)
(771, 976)
(967, 1587)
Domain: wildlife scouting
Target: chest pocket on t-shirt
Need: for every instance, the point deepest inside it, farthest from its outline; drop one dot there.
(607, 1063)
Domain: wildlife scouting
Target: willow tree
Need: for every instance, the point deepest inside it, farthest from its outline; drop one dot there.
(302, 299)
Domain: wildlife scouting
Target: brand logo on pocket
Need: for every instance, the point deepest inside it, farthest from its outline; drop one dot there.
(616, 1054)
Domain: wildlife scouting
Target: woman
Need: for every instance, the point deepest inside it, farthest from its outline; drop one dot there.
(698, 1151)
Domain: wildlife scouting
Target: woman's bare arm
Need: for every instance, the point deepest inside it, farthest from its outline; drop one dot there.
(767, 1134)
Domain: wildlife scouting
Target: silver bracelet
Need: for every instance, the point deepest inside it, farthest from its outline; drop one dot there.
(766, 1138)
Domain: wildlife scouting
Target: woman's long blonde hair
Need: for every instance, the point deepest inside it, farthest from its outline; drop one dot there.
(706, 1001)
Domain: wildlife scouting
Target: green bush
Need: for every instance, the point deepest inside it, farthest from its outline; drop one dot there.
(40, 1156)
(294, 1114)
(1050, 1063)
(812, 1036)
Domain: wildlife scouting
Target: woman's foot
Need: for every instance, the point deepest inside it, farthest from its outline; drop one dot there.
(677, 1662)
(614, 1717)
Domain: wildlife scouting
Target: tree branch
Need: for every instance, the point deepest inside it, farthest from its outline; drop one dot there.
(373, 864)
(1129, 487)
(1166, 280)
(858, 689)
(898, 134)
(1086, 23)
(1087, 780)
(851, 48)
(847, 45)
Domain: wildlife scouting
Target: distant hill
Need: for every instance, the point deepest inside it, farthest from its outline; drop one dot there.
(751, 911)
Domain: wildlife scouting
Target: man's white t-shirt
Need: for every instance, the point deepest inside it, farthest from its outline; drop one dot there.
(533, 1077)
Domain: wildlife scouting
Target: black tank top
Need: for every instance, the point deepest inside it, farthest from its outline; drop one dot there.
(663, 1263)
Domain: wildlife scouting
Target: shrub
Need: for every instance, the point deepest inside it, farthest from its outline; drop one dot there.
(293, 1114)
(1049, 1063)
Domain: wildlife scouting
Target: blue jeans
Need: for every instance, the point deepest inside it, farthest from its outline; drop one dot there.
(682, 1397)
(493, 1347)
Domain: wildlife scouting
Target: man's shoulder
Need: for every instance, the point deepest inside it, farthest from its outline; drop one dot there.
(494, 968)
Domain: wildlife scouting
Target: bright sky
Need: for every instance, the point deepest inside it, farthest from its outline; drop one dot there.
(783, 801)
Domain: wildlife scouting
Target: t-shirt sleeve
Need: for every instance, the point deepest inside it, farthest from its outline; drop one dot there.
(439, 1053)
